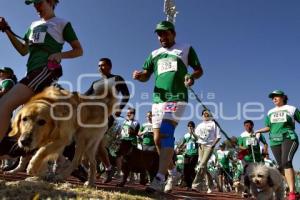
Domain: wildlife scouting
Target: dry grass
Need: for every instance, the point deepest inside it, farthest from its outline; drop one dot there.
(30, 189)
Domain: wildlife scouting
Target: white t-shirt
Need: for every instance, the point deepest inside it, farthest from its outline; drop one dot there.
(207, 132)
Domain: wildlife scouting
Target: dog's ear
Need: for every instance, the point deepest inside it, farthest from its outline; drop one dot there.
(270, 181)
(15, 125)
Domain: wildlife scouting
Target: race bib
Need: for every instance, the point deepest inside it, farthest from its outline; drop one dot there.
(251, 141)
(125, 132)
(166, 65)
(170, 107)
(38, 35)
(278, 117)
(190, 146)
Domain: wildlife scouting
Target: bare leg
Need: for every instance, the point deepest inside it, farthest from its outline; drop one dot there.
(15, 97)
(290, 178)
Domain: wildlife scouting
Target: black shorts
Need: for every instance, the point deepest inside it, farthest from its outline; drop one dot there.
(40, 78)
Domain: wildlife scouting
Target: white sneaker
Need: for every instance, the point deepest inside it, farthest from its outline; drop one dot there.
(209, 191)
(169, 184)
(156, 185)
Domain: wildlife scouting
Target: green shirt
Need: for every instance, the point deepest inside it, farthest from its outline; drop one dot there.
(179, 162)
(45, 38)
(281, 121)
(130, 130)
(223, 158)
(245, 140)
(170, 67)
(147, 131)
(6, 84)
(191, 148)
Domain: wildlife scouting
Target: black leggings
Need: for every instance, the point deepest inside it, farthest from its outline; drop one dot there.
(284, 153)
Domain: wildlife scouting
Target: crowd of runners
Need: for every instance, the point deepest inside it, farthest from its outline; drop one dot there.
(200, 161)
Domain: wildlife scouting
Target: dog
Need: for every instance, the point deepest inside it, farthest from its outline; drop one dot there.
(139, 161)
(52, 119)
(238, 186)
(265, 182)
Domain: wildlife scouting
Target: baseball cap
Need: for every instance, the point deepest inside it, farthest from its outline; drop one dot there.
(276, 93)
(27, 2)
(164, 25)
(7, 69)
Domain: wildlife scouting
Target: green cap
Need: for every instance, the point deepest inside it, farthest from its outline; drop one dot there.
(7, 69)
(164, 25)
(27, 2)
(276, 93)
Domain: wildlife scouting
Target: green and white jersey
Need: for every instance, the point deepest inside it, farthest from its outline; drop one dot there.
(45, 38)
(6, 84)
(269, 162)
(190, 142)
(170, 67)
(130, 130)
(179, 162)
(147, 131)
(281, 121)
(223, 158)
(246, 140)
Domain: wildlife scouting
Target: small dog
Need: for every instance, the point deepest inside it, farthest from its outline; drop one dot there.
(53, 118)
(265, 182)
(139, 161)
(238, 186)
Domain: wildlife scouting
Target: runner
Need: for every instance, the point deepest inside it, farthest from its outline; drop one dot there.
(208, 135)
(104, 68)
(224, 174)
(190, 155)
(146, 132)
(44, 41)
(280, 123)
(7, 80)
(169, 65)
(248, 141)
(130, 129)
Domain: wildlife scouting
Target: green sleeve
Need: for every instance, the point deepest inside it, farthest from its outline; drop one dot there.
(69, 33)
(26, 36)
(240, 141)
(149, 65)
(142, 128)
(193, 58)
(267, 121)
(7, 84)
(297, 115)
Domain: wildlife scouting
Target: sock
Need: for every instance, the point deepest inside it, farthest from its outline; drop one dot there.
(161, 176)
(172, 172)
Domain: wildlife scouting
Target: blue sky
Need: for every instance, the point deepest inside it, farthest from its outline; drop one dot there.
(247, 49)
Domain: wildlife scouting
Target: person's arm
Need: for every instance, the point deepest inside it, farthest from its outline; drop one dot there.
(142, 76)
(69, 36)
(121, 87)
(194, 135)
(76, 51)
(263, 140)
(193, 61)
(263, 130)
(141, 131)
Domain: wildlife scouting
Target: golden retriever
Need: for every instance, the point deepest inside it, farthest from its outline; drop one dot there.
(54, 117)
